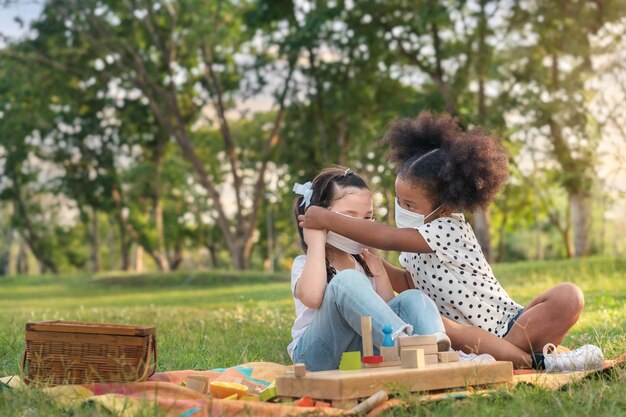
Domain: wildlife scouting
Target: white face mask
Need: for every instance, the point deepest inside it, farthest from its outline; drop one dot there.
(343, 243)
(407, 219)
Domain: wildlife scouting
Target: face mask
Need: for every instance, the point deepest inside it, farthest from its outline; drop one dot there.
(407, 219)
(344, 244)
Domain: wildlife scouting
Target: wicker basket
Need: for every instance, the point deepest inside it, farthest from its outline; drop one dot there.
(67, 352)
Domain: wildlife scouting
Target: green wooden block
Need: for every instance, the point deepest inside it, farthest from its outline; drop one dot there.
(268, 393)
(350, 361)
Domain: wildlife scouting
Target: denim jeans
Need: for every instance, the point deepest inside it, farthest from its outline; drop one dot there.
(336, 326)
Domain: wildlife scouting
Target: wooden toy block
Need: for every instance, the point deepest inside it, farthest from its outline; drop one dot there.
(223, 389)
(340, 385)
(430, 359)
(252, 387)
(417, 340)
(366, 335)
(372, 359)
(428, 349)
(350, 361)
(345, 404)
(270, 393)
(299, 370)
(382, 364)
(390, 354)
(412, 358)
(450, 356)
(371, 402)
(198, 383)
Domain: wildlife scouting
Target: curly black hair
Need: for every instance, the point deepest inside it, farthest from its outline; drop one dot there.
(463, 170)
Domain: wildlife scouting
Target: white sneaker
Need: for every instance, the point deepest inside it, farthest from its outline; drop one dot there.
(586, 357)
(484, 357)
(443, 342)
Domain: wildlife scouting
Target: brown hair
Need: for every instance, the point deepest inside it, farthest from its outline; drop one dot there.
(328, 186)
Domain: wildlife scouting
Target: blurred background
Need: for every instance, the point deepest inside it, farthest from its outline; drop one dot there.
(160, 135)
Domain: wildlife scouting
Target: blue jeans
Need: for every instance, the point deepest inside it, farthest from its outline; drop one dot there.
(336, 326)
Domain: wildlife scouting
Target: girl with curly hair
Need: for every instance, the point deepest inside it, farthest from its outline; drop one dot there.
(441, 171)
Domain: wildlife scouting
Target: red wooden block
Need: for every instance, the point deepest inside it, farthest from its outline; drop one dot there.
(305, 401)
(372, 359)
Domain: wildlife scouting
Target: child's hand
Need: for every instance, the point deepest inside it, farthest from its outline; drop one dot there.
(314, 237)
(313, 218)
(374, 262)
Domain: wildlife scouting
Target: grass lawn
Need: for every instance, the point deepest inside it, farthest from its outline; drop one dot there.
(210, 319)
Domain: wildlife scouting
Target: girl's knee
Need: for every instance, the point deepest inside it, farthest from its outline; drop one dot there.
(418, 297)
(347, 278)
(571, 298)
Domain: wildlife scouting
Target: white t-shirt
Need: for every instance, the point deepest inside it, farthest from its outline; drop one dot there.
(304, 314)
(458, 278)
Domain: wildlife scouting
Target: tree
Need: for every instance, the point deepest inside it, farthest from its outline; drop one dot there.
(180, 56)
(553, 67)
(448, 51)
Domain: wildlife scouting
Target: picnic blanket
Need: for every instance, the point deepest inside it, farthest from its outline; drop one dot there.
(165, 390)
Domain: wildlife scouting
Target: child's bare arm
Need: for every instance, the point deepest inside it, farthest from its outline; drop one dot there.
(399, 278)
(376, 267)
(312, 283)
(370, 233)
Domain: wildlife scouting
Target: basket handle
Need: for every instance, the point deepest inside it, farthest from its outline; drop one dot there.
(147, 372)
(23, 366)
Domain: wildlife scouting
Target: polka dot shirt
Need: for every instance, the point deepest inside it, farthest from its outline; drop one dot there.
(458, 278)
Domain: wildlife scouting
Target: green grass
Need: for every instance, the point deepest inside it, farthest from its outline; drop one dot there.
(218, 319)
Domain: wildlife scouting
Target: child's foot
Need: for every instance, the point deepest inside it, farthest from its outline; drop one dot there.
(586, 357)
(443, 342)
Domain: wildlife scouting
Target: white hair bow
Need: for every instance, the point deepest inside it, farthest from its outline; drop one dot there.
(306, 191)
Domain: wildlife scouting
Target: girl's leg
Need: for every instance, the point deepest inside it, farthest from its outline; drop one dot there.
(471, 339)
(336, 326)
(416, 308)
(547, 318)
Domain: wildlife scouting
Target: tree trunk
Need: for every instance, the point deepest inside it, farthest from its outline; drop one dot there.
(6, 255)
(212, 248)
(270, 239)
(139, 258)
(21, 265)
(28, 231)
(177, 257)
(238, 252)
(481, 229)
(95, 241)
(580, 207)
(157, 203)
(538, 234)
